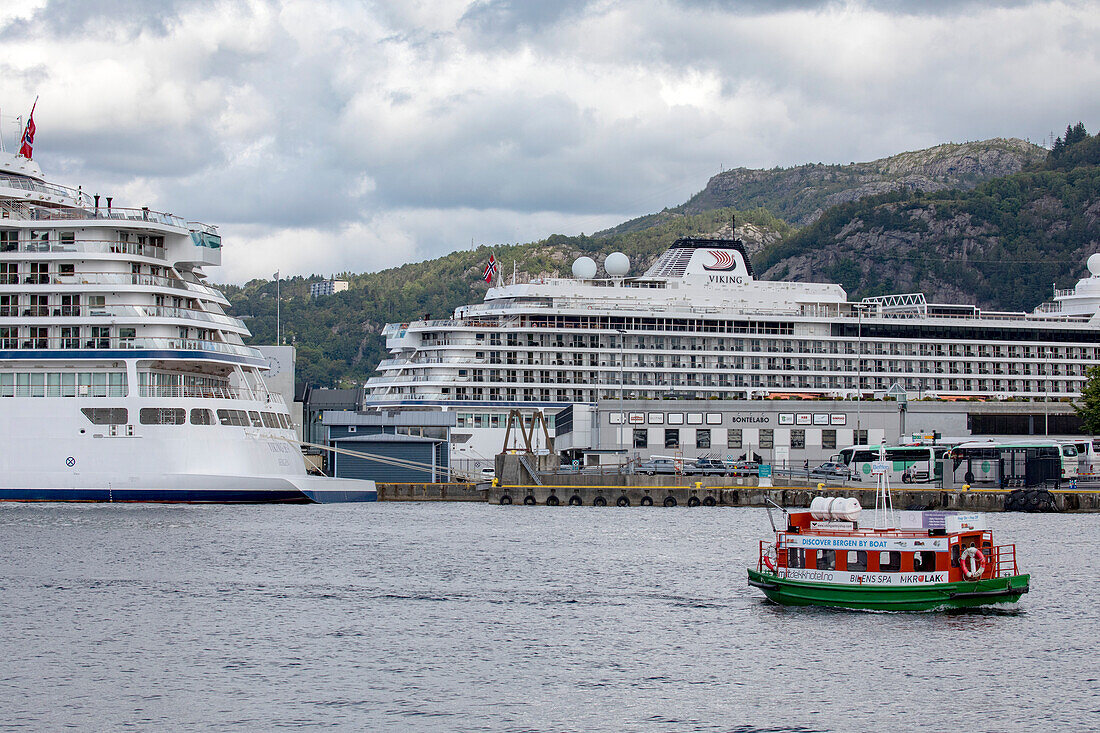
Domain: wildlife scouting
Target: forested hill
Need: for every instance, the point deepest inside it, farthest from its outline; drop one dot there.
(338, 336)
(801, 194)
(1001, 245)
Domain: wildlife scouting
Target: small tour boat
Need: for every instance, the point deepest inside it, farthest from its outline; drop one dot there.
(917, 562)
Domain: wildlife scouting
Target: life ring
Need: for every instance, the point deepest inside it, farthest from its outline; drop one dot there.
(769, 564)
(975, 570)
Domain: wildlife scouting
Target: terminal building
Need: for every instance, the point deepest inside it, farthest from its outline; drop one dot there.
(788, 432)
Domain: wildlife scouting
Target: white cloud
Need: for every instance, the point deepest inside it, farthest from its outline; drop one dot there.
(349, 136)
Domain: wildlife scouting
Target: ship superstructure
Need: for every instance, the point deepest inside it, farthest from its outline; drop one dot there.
(121, 375)
(698, 325)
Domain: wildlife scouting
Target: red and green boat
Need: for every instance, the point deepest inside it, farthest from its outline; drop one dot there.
(931, 560)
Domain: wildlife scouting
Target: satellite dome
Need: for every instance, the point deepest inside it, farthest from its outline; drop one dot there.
(1094, 263)
(617, 264)
(584, 268)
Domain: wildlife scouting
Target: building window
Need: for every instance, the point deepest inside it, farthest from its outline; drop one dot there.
(767, 438)
(352, 428)
(733, 438)
(828, 439)
(702, 438)
(798, 439)
(672, 438)
(861, 437)
(641, 438)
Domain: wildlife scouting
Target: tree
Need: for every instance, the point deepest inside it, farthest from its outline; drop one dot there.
(1088, 409)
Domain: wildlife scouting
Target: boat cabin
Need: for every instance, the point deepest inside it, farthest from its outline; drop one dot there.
(936, 547)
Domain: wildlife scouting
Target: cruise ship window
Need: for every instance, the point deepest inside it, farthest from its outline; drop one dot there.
(202, 416)
(9, 240)
(672, 438)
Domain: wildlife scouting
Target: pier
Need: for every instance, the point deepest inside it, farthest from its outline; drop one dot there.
(702, 495)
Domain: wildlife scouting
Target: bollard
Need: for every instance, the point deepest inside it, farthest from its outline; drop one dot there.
(698, 485)
(966, 487)
(820, 486)
(496, 482)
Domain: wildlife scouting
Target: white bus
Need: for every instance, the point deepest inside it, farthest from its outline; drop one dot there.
(909, 464)
(984, 470)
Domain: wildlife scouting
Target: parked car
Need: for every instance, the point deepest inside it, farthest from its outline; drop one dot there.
(831, 470)
(713, 467)
(664, 466)
(487, 474)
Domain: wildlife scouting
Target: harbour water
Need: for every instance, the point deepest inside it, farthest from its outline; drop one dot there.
(477, 617)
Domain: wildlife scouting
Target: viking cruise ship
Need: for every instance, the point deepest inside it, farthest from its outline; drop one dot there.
(121, 376)
(697, 325)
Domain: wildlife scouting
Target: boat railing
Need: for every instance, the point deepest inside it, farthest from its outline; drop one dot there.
(211, 392)
(68, 343)
(114, 278)
(135, 312)
(1003, 562)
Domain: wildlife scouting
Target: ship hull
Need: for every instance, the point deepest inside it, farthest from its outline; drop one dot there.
(927, 597)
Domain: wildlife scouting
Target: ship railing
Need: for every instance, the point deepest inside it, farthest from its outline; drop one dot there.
(63, 390)
(210, 392)
(37, 212)
(137, 312)
(1003, 562)
(70, 343)
(117, 278)
(29, 184)
(87, 246)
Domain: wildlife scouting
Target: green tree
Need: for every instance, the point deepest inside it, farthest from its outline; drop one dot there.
(1088, 408)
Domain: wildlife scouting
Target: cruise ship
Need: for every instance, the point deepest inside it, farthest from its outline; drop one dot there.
(699, 326)
(121, 376)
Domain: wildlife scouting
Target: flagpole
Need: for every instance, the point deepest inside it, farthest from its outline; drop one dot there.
(278, 311)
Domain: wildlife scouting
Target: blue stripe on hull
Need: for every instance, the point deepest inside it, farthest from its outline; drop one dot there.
(227, 496)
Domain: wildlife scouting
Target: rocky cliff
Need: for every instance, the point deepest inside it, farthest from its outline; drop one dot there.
(799, 195)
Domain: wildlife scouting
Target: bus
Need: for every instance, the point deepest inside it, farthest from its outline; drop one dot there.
(983, 457)
(1087, 462)
(909, 464)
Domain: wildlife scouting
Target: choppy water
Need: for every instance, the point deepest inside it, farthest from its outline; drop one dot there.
(475, 617)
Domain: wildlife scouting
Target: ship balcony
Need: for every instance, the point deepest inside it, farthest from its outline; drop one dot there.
(92, 246)
(117, 278)
(135, 314)
(129, 343)
(211, 392)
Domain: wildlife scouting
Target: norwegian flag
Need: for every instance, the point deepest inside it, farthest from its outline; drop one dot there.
(490, 269)
(28, 134)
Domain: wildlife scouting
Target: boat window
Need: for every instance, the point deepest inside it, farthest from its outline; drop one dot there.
(255, 417)
(889, 562)
(105, 415)
(202, 416)
(238, 418)
(796, 557)
(924, 562)
(826, 559)
(954, 556)
(162, 416)
(284, 420)
(269, 419)
(857, 560)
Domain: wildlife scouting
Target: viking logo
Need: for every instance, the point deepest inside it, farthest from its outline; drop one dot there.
(723, 260)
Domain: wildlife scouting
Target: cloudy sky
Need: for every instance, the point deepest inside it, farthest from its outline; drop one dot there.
(324, 136)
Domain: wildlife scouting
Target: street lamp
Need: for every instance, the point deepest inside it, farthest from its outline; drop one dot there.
(859, 367)
(622, 417)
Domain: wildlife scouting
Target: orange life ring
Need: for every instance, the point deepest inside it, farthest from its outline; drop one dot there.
(972, 570)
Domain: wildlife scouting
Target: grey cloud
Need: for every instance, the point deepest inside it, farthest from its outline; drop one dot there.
(69, 17)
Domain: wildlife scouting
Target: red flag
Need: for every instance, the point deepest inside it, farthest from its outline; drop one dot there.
(28, 134)
(490, 269)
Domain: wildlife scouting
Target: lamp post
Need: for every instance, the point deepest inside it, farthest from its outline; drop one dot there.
(859, 368)
(622, 414)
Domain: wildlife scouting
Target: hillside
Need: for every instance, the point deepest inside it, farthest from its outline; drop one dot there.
(800, 194)
(1001, 245)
